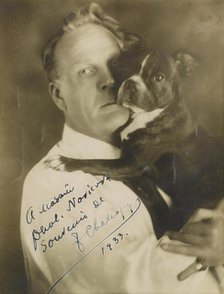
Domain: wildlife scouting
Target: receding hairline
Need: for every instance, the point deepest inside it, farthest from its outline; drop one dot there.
(91, 14)
(67, 41)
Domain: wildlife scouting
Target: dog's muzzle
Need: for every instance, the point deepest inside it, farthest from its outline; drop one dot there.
(130, 85)
(127, 91)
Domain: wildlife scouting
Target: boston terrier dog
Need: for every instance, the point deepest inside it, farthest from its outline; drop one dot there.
(162, 140)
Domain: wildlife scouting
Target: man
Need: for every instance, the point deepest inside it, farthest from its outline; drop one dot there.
(82, 233)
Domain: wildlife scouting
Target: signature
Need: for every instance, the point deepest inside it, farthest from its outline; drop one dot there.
(90, 230)
(97, 225)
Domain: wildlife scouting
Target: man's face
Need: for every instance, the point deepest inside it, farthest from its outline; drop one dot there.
(86, 84)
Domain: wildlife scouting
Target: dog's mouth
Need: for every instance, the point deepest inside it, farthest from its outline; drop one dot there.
(125, 98)
(134, 109)
(127, 95)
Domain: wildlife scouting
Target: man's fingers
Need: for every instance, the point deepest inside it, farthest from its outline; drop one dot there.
(191, 269)
(186, 237)
(201, 214)
(196, 228)
(182, 249)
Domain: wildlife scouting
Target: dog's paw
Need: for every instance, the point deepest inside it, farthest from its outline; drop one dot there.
(56, 162)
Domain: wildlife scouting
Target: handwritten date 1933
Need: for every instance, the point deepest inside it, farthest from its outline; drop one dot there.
(114, 242)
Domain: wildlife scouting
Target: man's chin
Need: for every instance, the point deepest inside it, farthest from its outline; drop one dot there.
(120, 119)
(120, 126)
(117, 113)
(124, 123)
(121, 115)
(115, 116)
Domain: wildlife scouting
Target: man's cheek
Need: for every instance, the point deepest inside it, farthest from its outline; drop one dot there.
(89, 82)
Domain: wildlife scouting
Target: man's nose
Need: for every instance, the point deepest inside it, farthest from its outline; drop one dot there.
(107, 84)
(106, 81)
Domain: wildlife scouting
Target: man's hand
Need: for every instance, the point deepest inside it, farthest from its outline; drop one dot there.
(202, 236)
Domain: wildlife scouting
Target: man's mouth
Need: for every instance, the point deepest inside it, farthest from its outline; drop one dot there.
(109, 104)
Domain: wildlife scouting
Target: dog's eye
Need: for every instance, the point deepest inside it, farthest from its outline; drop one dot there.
(85, 72)
(158, 77)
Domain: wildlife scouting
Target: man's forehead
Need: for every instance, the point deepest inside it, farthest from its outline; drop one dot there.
(87, 41)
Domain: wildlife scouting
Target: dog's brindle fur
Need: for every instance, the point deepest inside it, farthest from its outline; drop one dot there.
(176, 153)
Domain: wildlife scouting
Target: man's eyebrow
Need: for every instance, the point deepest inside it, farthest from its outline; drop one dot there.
(80, 63)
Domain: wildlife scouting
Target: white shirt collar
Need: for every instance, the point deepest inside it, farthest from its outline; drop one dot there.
(80, 146)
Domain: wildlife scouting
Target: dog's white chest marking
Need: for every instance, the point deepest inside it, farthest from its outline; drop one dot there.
(140, 121)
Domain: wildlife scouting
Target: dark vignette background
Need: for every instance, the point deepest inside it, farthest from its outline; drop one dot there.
(30, 124)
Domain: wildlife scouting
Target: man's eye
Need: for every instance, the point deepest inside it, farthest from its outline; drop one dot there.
(85, 72)
(158, 77)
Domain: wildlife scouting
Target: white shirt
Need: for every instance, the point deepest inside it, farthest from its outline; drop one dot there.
(88, 234)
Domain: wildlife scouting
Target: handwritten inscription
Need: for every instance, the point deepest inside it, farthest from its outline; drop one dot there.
(40, 234)
(86, 220)
(56, 199)
(97, 203)
(72, 203)
(97, 224)
(30, 215)
(114, 242)
(79, 238)
(42, 230)
(86, 254)
(91, 188)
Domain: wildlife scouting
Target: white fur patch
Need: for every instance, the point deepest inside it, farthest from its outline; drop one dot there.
(140, 120)
(140, 84)
(134, 108)
(143, 64)
(137, 79)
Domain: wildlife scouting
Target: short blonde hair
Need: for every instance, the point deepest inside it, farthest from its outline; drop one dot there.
(88, 14)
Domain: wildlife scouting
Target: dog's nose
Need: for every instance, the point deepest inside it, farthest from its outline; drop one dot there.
(130, 85)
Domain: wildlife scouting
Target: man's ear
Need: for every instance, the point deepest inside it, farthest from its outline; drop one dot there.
(55, 93)
(185, 63)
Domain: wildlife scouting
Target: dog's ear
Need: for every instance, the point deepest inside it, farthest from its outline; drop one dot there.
(131, 41)
(185, 63)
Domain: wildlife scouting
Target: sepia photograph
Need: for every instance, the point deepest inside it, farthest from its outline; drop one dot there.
(111, 139)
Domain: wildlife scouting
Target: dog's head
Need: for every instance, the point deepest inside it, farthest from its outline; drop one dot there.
(157, 83)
